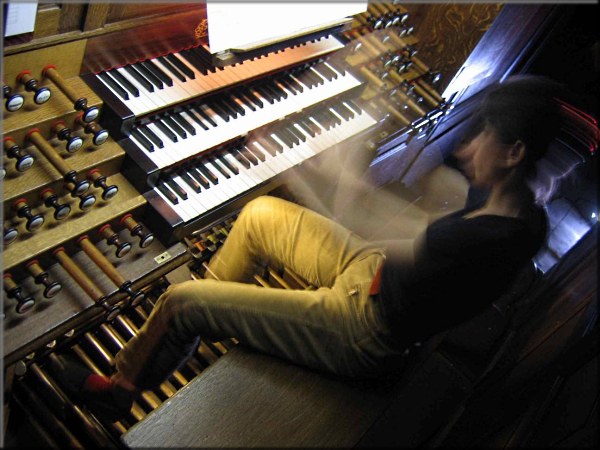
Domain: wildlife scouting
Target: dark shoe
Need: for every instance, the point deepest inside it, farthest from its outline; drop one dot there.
(111, 403)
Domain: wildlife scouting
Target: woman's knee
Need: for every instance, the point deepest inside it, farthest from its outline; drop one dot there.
(178, 298)
(264, 204)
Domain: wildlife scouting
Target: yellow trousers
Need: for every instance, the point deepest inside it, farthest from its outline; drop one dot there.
(337, 327)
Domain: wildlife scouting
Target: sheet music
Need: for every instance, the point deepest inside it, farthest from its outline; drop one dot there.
(20, 18)
(240, 25)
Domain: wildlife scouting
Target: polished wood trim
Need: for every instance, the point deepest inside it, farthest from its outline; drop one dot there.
(96, 16)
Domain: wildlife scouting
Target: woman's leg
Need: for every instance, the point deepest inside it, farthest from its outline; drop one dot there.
(309, 327)
(273, 232)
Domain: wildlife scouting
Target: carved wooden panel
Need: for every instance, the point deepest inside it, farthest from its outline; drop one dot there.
(119, 12)
(448, 33)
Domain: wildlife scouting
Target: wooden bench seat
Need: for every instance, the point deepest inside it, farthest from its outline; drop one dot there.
(249, 399)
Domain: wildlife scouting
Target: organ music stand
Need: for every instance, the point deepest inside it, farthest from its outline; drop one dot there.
(252, 40)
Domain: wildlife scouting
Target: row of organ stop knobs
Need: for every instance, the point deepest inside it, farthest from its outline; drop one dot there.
(72, 143)
(23, 160)
(49, 198)
(14, 101)
(51, 288)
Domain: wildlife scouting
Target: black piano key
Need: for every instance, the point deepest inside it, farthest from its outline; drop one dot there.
(125, 83)
(284, 81)
(193, 60)
(277, 88)
(334, 117)
(271, 90)
(219, 166)
(314, 124)
(338, 67)
(205, 115)
(303, 76)
(233, 169)
(175, 187)
(240, 158)
(205, 58)
(357, 109)
(293, 131)
(327, 117)
(196, 175)
(256, 152)
(193, 114)
(158, 72)
(315, 75)
(288, 138)
(319, 72)
(210, 175)
(297, 86)
(231, 101)
(306, 127)
(185, 176)
(226, 106)
(142, 140)
(149, 75)
(244, 100)
(216, 107)
(264, 94)
(131, 70)
(326, 72)
(168, 120)
(151, 135)
(297, 132)
(113, 85)
(343, 111)
(268, 142)
(248, 155)
(182, 122)
(291, 135)
(181, 66)
(321, 120)
(166, 130)
(253, 98)
(282, 137)
(167, 192)
(171, 68)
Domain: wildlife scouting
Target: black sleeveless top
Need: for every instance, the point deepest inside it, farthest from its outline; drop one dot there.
(461, 267)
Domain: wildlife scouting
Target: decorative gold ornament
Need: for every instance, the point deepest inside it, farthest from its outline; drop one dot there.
(202, 29)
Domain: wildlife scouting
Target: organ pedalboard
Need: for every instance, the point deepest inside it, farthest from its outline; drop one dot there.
(115, 179)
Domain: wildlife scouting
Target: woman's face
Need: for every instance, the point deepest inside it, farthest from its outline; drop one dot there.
(482, 160)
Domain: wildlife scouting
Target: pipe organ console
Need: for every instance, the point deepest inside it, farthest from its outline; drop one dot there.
(116, 178)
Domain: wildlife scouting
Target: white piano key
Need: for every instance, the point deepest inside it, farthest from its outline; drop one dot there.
(133, 103)
(145, 100)
(157, 156)
(183, 211)
(194, 201)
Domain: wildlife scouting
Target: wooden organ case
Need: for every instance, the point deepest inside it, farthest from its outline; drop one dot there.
(124, 146)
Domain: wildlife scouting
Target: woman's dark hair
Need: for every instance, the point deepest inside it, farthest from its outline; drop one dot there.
(541, 113)
(525, 108)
